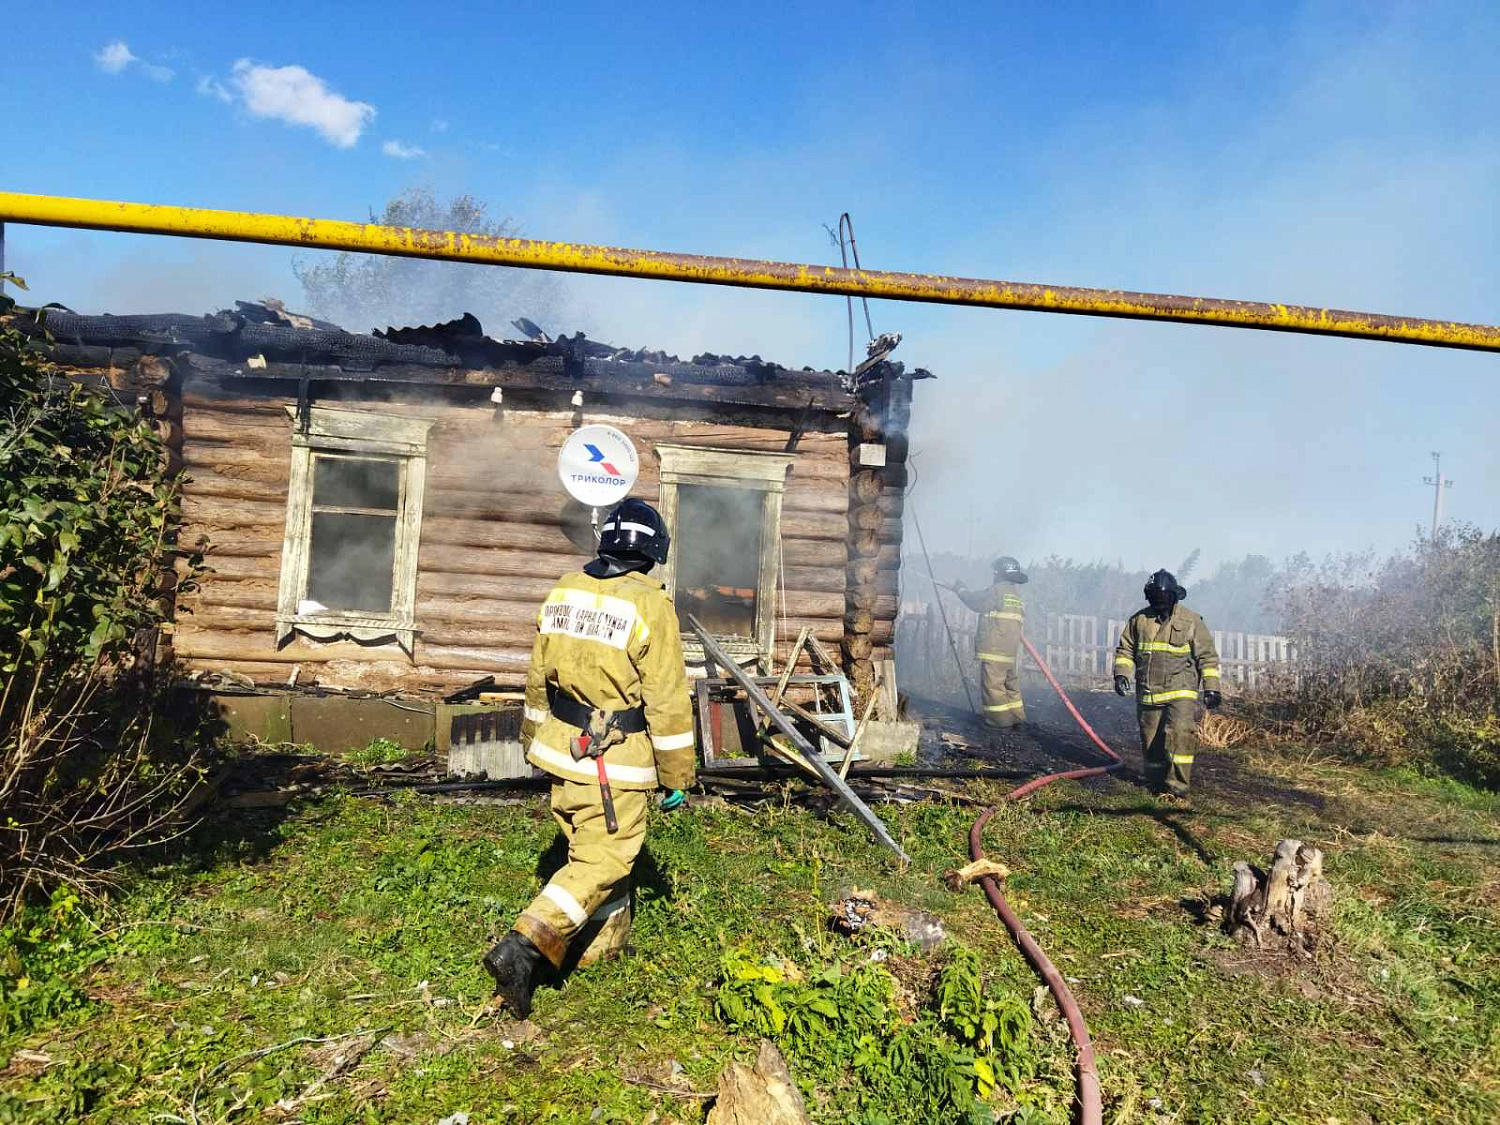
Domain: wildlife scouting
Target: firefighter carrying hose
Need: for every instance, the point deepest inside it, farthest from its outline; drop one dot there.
(608, 715)
(997, 644)
(1170, 652)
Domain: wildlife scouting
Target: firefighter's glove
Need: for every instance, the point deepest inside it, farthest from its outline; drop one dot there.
(674, 799)
(1122, 685)
(1212, 699)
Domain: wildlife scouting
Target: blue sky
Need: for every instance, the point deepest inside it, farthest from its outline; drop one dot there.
(1343, 155)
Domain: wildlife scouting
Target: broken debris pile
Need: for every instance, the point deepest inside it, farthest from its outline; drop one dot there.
(860, 909)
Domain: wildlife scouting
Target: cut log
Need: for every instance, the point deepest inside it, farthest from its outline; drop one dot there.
(240, 567)
(481, 587)
(830, 578)
(168, 431)
(865, 487)
(813, 552)
(862, 572)
(206, 481)
(827, 632)
(202, 510)
(253, 544)
(164, 404)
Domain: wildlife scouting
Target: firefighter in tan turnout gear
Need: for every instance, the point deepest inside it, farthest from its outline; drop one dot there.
(609, 716)
(1170, 652)
(997, 644)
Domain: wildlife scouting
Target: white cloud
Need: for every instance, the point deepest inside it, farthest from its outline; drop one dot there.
(213, 88)
(439, 125)
(399, 151)
(294, 95)
(114, 58)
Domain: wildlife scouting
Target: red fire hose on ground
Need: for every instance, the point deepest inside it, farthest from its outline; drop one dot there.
(1090, 1102)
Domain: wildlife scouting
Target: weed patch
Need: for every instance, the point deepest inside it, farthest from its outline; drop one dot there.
(842, 1028)
(379, 752)
(44, 954)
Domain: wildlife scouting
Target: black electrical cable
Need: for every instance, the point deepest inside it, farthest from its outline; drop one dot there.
(845, 221)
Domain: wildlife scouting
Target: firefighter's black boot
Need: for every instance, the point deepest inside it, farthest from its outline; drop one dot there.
(513, 964)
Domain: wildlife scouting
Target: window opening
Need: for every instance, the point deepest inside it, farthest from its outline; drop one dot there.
(718, 538)
(723, 508)
(353, 524)
(356, 506)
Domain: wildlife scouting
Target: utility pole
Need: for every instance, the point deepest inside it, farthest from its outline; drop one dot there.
(1438, 482)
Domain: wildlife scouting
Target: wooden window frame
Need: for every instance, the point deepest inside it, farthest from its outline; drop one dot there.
(399, 438)
(730, 468)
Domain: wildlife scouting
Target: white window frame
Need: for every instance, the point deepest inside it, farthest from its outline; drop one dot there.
(730, 468)
(390, 437)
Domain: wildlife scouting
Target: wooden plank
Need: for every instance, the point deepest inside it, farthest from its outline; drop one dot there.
(889, 697)
(829, 666)
(859, 730)
(786, 672)
(833, 734)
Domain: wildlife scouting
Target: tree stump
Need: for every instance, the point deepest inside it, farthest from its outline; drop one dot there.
(1282, 908)
(764, 1094)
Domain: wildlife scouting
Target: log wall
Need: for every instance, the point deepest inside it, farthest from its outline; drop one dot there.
(876, 505)
(497, 529)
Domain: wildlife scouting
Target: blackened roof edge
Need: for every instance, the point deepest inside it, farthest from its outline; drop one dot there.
(266, 330)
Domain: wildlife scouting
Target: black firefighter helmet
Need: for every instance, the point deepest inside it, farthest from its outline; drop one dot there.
(1162, 589)
(1008, 569)
(635, 530)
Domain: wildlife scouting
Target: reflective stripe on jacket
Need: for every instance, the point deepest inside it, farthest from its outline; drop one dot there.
(612, 643)
(1001, 614)
(1169, 658)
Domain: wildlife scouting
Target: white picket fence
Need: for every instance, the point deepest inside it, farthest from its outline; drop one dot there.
(1076, 646)
(1079, 648)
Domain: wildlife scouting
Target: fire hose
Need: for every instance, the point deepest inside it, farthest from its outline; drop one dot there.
(1090, 1102)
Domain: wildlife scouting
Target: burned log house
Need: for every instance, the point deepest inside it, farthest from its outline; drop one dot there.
(385, 516)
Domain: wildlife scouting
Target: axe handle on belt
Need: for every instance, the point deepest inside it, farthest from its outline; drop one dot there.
(600, 735)
(611, 825)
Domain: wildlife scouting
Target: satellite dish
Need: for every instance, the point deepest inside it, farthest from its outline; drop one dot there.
(598, 466)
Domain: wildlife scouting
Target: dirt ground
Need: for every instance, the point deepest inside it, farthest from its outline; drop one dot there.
(1051, 740)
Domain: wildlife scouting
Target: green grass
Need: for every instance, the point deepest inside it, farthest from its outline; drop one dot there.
(379, 752)
(354, 915)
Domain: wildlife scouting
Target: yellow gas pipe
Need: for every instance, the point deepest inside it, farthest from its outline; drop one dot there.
(370, 238)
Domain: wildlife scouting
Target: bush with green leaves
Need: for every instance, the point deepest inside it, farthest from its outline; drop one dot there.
(88, 517)
(835, 1023)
